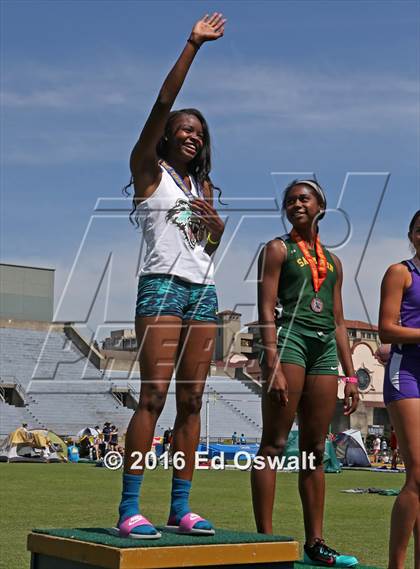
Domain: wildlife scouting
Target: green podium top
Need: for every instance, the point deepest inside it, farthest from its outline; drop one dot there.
(103, 536)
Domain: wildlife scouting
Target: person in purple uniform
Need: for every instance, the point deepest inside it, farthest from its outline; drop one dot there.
(399, 325)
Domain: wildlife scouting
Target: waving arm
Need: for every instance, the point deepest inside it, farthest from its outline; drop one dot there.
(144, 160)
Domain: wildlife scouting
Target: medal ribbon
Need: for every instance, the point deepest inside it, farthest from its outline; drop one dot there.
(179, 181)
(319, 267)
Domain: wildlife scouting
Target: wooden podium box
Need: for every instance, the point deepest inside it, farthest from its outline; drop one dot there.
(97, 548)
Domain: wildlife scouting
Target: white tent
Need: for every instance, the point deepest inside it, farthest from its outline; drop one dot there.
(87, 432)
(350, 449)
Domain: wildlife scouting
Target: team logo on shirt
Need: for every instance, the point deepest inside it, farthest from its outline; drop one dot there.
(183, 217)
(302, 262)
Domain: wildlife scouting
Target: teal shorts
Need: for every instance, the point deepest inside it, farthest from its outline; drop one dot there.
(162, 295)
(314, 351)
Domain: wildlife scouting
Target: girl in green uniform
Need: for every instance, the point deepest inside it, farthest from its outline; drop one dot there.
(300, 340)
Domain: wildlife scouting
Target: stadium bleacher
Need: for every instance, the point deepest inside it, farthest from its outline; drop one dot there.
(42, 354)
(63, 390)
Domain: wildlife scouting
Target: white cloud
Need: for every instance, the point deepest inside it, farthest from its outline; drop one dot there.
(66, 107)
(75, 89)
(310, 98)
(299, 96)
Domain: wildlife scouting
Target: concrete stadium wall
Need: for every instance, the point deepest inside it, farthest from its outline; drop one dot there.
(27, 293)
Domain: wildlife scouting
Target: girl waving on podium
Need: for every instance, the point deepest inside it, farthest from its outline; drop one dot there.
(176, 301)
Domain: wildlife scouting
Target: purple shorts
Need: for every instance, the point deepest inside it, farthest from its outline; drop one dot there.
(402, 376)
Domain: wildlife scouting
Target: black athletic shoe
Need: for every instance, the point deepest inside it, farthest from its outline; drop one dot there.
(320, 554)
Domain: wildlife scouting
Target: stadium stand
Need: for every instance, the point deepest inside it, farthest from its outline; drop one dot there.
(12, 417)
(241, 398)
(42, 354)
(62, 390)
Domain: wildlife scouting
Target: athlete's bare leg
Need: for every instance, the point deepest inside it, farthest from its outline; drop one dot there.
(277, 422)
(405, 417)
(158, 339)
(316, 411)
(196, 351)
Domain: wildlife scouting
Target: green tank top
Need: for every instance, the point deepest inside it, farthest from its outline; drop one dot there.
(296, 291)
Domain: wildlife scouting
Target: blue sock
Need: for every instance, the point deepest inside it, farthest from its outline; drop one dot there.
(129, 505)
(179, 502)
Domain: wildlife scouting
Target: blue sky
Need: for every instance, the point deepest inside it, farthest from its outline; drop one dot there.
(324, 87)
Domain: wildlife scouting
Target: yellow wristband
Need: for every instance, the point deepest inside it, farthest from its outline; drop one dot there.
(209, 240)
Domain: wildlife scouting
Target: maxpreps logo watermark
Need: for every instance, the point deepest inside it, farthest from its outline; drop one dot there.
(242, 460)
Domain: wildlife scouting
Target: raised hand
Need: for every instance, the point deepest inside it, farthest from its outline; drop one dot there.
(209, 28)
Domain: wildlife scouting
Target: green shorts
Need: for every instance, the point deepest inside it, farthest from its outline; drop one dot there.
(314, 351)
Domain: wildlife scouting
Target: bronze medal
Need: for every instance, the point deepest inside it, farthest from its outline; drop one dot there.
(317, 305)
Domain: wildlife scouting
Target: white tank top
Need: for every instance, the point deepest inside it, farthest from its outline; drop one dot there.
(174, 242)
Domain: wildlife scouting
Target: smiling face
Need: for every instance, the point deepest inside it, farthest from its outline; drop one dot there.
(186, 138)
(414, 236)
(301, 205)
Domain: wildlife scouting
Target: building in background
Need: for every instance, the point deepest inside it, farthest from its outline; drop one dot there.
(121, 340)
(230, 340)
(26, 293)
(359, 331)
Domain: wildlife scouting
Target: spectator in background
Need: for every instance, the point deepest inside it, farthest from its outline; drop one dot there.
(165, 442)
(376, 448)
(394, 449)
(97, 440)
(170, 438)
(46, 450)
(102, 447)
(72, 452)
(113, 443)
(25, 432)
(106, 431)
(242, 439)
(234, 438)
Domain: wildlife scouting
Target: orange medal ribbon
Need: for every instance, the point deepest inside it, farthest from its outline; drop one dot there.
(319, 267)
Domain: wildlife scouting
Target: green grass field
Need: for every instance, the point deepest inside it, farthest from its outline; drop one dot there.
(68, 495)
